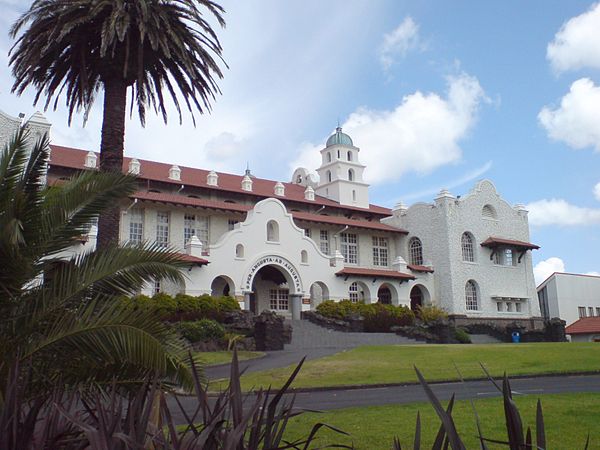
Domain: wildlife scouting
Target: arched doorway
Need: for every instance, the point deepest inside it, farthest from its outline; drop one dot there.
(270, 291)
(221, 286)
(318, 293)
(416, 298)
(384, 295)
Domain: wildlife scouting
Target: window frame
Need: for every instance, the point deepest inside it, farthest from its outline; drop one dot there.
(467, 243)
(415, 251)
(349, 247)
(136, 226)
(471, 296)
(279, 299)
(380, 251)
(163, 228)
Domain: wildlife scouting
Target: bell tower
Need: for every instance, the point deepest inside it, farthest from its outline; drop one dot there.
(341, 173)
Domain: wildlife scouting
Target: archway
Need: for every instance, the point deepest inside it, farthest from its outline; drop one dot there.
(416, 298)
(270, 291)
(222, 285)
(318, 293)
(387, 294)
(359, 292)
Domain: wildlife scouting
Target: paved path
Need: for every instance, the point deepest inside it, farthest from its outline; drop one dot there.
(312, 341)
(335, 399)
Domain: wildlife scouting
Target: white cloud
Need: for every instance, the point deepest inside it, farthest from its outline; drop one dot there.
(544, 269)
(575, 46)
(597, 191)
(399, 42)
(576, 120)
(421, 134)
(560, 212)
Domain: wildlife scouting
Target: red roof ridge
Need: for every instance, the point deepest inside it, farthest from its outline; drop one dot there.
(383, 273)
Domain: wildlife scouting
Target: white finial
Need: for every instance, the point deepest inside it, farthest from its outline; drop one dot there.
(134, 167)
(175, 173)
(444, 193)
(309, 194)
(279, 189)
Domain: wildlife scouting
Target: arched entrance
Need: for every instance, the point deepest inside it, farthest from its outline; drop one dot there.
(384, 295)
(221, 286)
(318, 293)
(416, 298)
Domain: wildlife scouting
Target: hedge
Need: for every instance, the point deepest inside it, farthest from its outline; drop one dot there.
(377, 316)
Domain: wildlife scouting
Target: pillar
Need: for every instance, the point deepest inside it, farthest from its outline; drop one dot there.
(247, 301)
(296, 303)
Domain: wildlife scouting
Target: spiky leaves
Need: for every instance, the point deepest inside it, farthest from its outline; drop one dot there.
(59, 313)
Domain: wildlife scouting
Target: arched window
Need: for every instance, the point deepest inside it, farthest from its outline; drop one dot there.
(349, 156)
(272, 231)
(329, 176)
(415, 250)
(488, 212)
(471, 296)
(353, 195)
(468, 252)
(328, 156)
(350, 175)
(239, 251)
(304, 256)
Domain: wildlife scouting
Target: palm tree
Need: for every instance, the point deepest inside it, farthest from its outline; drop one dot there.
(60, 316)
(76, 48)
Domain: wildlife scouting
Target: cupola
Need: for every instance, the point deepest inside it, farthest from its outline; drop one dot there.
(247, 183)
(339, 138)
(212, 179)
(279, 189)
(309, 194)
(175, 173)
(90, 160)
(134, 167)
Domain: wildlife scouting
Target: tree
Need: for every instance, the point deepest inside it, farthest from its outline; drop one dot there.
(60, 313)
(76, 48)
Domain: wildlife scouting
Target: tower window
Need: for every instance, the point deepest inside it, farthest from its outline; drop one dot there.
(272, 231)
(328, 156)
(350, 175)
(468, 253)
(349, 156)
(329, 176)
(471, 296)
(415, 248)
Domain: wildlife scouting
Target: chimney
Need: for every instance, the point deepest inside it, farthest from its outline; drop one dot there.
(175, 173)
(279, 189)
(212, 179)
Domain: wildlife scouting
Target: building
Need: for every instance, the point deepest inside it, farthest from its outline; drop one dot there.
(586, 329)
(286, 246)
(570, 296)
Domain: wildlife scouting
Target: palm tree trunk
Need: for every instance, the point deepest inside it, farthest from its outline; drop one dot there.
(111, 152)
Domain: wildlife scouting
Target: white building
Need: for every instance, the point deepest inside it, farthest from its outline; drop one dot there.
(288, 246)
(570, 296)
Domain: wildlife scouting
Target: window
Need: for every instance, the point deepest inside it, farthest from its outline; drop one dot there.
(499, 306)
(582, 313)
(156, 286)
(162, 229)
(518, 307)
(350, 175)
(136, 226)
(468, 253)
(307, 232)
(328, 156)
(353, 195)
(488, 212)
(349, 156)
(590, 311)
(380, 251)
(231, 224)
(509, 306)
(597, 311)
(508, 257)
(195, 226)
(329, 176)
(239, 251)
(324, 241)
(304, 257)
(272, 231)
(353, 292)
(338, 155)
(278, 299)
(415, 250)
(349, 247)
(471, 296)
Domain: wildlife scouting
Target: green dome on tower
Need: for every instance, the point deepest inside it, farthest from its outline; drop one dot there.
(339, 138)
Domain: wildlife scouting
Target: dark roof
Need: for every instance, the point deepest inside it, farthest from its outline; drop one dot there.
(417, 268)
(374, 273)
(493, 242)
(192, 259)
(152, 170)
(584, 325)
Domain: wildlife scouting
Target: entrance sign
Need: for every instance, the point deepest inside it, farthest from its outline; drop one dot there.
(276, 261)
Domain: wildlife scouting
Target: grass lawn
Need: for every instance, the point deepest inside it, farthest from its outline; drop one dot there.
(394, 364)
(223, 357)
(568, 419)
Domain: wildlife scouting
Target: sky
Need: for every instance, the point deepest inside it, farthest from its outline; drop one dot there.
(436, 95)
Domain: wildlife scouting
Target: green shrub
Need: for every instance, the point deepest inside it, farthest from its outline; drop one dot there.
(331, 309)
(432, 313)
(228, 304)
(380, 318)
(163, 303)
(201, 330)
(462, 336)
(186, 303)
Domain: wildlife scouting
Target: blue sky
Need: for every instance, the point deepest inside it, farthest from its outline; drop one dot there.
(436, 95)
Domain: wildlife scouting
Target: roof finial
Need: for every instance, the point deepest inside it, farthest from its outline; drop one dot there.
(248, 169)
(338, 128)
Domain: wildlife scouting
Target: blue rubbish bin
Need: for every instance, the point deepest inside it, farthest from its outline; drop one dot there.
(516, 337)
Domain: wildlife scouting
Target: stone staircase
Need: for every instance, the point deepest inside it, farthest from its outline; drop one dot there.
(308, 335)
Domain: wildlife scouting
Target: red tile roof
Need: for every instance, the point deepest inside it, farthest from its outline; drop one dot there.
(192, 259)
(151, 170)
(225, 206)
(374, 273)
(584, 325)
(417, 268)
(493, 242)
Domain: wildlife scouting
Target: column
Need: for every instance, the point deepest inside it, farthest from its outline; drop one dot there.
(247, 301)
(296, 304)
